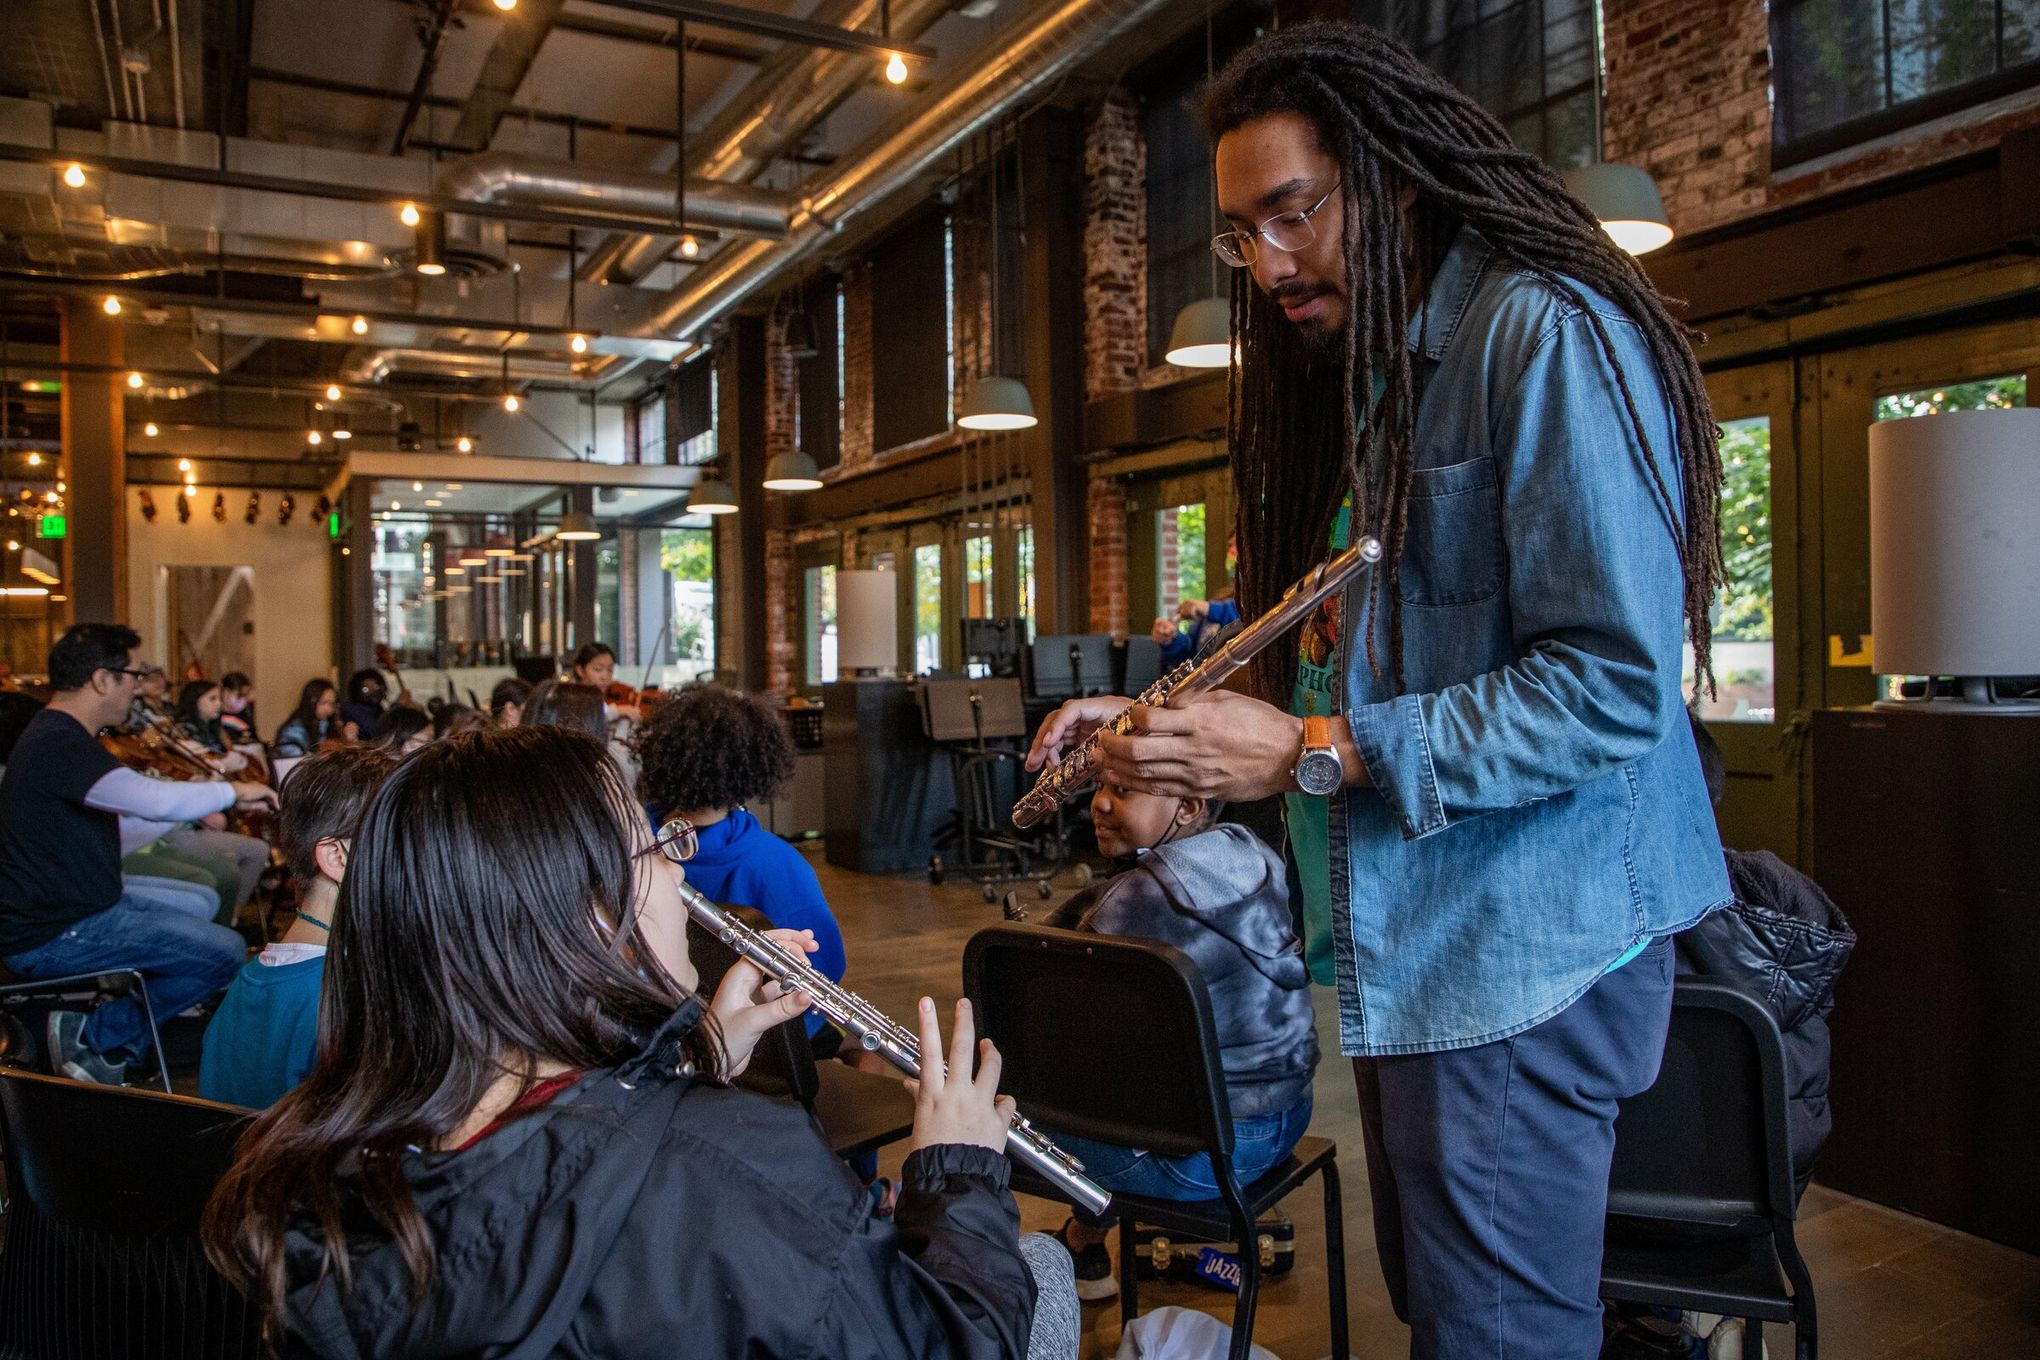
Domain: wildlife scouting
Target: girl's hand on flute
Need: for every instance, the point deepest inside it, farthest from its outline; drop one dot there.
(958, 1107)
(748, 1003)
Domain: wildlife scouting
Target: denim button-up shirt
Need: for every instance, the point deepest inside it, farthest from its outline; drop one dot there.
(1536, 807)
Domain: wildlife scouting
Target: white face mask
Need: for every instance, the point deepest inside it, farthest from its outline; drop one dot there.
(236, 703)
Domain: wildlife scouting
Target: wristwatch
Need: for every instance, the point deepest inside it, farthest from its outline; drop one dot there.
(1319, 771)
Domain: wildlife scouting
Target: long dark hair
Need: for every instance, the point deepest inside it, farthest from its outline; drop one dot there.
(187, 703)
(465, 946)
(567, 703)
(587, 652)
(307, 711)
(1390, 123)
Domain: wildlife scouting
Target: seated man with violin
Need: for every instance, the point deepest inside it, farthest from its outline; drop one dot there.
(63, 910)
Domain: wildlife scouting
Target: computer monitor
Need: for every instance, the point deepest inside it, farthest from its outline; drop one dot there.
(996, 642)
(1070, 664)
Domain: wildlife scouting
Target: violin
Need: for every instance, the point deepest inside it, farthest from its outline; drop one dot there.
(152, 751)
(386, 659)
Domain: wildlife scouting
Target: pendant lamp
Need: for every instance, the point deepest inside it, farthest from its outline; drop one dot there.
(798, 338)
(996, 403)
(1624, 199)
(795, 471)
(1202, 335)
(576, 526)
(711, 496)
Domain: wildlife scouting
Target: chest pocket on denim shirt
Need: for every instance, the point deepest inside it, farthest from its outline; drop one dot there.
(1453, 554)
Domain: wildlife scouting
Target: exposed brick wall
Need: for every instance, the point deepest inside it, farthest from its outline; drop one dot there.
(729, 620)
(1107, 523)
(782, 614)
(782, 392)
(856, 447)
(1688, 99)
(1115, 248)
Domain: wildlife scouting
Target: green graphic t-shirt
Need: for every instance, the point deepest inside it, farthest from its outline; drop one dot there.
(1308, 818)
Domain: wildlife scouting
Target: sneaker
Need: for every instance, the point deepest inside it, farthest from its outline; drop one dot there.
(1095, 1281)
(70, 1057)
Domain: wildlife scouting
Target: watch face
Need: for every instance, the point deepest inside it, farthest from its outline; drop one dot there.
(1319, 772)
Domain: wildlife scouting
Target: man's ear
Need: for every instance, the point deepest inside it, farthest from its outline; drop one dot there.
(330, 855)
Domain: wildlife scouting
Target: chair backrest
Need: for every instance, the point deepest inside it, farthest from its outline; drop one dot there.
(1707, 1142)
(783, 1062)
(106, 1188)
(1103, 1037)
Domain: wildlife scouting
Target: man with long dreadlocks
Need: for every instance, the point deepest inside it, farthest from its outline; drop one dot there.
(1439, 346)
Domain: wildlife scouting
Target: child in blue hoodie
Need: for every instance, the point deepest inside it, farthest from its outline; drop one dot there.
(265, 1036)
(1218, 893)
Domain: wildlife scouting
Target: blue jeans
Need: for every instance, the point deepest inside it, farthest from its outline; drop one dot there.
(183, 961)
(1260, 1144)
(1488, 1167)
(173, 894)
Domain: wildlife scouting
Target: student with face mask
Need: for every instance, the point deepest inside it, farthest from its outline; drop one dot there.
(1218, 893)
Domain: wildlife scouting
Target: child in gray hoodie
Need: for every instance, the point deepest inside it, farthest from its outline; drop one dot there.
(1216, 892)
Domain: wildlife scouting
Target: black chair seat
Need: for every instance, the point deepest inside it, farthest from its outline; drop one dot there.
(1738, 1275)
(1209, 1218)
(860, 1112)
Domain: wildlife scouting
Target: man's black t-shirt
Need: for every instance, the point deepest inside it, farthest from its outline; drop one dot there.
(59, 859)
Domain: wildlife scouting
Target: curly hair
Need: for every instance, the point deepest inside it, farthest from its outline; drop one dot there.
(710, 747)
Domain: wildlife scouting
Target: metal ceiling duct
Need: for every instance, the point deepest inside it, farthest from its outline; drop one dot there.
(379, 365)
(507, 177)
(793, 91)
(1033, 51)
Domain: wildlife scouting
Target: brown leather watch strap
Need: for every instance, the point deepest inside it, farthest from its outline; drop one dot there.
(1317, 732)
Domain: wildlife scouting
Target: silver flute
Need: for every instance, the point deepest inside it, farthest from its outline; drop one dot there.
(1064, 779)
(873, 1030)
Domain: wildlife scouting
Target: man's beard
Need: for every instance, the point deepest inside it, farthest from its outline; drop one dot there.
(1322, 345)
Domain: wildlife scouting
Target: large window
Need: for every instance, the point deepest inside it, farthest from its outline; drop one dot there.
(1534, 64)
(651, 427)
(818, 623)
(1845, 71)
(909, 335)
(1023, 553)
(819, 411)
(687, 556)
(1745, 661)
(1179, 211)
(927, 607)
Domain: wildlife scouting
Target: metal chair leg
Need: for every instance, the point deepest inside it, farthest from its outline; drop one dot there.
(1129, 1273)
(1250, 1289)
(1335, 1259)
(1752, 1339)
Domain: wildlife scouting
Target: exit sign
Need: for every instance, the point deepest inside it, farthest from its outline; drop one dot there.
(333, 525)
(51, 526)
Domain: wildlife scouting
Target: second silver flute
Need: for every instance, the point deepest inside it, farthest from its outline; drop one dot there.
(870, 1028)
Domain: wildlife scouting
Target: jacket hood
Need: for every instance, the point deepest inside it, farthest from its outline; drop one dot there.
(1224, 879)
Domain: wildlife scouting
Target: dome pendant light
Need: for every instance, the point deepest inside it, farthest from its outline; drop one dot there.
(996, 403)
(1624, 200)
(795, 471)
(576, 526)
(711, 496)
(1202, 335)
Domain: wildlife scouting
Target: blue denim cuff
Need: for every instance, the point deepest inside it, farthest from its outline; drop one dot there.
(1397, 755)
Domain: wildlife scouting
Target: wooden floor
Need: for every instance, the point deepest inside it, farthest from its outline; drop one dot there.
(1889, 1286)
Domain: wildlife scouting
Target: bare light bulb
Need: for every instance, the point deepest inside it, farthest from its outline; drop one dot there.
(34, 459)
(417, 486)
(314, 438)
(184, 465)
(689, 247)
(408, 215)
(464, 444)
(74, 175)
(135, 380)
(332, 391)
(506, 5)
(896, 70)
(579, 344)
(190, 490)
(111, 306)
(359, 325)
(150, 429)
(510, 402)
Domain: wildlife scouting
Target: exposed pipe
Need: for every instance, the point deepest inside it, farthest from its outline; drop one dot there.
(177, 66)
(120, 57)
(377, 365)
(793, 91)
(105, 67)
(427, 64)
(1034, 50)
(506, 177)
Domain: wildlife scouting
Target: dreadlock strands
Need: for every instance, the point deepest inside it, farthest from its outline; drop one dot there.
(1393, 124)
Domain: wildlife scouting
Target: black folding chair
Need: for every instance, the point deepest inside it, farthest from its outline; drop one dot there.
(1112, 1039)
(1700, 1196)
(106, 1187)
(859, 1112)
(25, 1005)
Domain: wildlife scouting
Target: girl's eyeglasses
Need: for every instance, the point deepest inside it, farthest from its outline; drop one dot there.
(676, 840)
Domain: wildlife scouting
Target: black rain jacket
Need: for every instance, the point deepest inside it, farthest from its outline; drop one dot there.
(647, 1212)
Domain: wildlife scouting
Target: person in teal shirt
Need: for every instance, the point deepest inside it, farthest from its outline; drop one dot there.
(265, 1036)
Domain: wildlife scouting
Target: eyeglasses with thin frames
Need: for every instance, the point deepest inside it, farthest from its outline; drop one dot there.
(1290, 231)
(676, 840)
